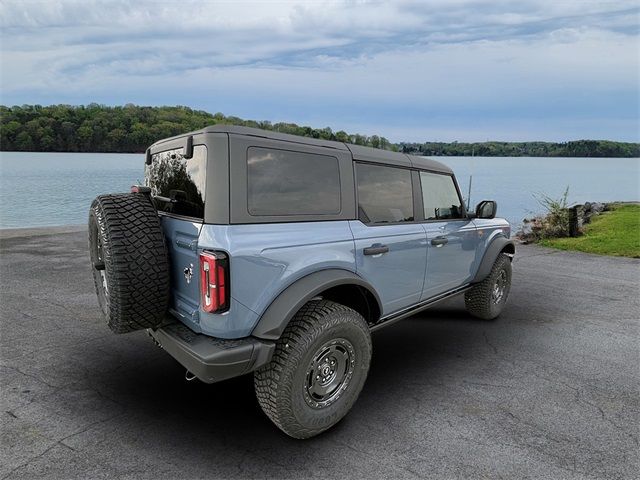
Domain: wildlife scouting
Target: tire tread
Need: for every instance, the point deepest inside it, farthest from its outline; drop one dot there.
(271, 388)
(478, 300)
(136, 260)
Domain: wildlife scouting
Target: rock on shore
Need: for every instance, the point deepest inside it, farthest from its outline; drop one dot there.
(559, 223)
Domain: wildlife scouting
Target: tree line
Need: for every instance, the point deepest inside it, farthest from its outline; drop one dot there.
(132, 128)
(576, 148)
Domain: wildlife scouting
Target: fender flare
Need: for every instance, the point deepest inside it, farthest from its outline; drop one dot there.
(491, 254)
(277, 315)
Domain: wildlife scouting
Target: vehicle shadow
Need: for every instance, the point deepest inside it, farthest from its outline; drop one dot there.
(193, 419)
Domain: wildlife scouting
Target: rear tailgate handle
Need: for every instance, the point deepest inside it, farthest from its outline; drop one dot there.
(375, 250)
(439, 241)
(193, 245)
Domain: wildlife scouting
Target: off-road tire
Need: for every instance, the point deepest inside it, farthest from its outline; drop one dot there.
(479, 300)
(126, 242)
(280, 385)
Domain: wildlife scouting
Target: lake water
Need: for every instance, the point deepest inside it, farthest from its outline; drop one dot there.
(48, 189)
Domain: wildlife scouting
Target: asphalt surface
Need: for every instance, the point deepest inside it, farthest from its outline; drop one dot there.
(549, 390)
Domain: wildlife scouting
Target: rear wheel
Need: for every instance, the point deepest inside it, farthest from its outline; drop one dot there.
(318, 369)
(487, 299)
(129, 261)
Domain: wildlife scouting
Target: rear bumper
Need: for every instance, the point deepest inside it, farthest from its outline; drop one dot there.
(212, 359)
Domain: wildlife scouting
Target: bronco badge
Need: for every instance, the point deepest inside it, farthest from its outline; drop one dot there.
(188, 273)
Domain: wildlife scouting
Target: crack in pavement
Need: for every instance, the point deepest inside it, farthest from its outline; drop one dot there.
(59, 442)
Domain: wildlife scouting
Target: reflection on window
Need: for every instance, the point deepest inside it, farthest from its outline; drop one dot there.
(384, 194)
(177, 183)
(440, 197)
(282, 182)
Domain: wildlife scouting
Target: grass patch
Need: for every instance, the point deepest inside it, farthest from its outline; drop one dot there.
(616, 232)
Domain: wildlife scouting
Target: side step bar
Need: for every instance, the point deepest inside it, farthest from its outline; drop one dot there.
(407, 312)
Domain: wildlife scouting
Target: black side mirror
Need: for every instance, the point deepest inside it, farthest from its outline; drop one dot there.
(486, 209)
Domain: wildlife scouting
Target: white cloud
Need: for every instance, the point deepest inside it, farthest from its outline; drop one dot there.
(431, 59)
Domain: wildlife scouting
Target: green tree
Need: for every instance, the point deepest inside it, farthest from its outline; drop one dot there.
(131, 128)
(24, 142)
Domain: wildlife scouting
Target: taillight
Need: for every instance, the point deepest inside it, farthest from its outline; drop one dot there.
(214, 278)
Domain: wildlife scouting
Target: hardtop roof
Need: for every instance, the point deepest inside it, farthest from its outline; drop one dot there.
(358, 152)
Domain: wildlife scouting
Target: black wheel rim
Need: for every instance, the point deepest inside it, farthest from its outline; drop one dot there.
(329, 373)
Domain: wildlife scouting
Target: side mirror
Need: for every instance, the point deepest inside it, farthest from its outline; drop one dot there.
(486, 209)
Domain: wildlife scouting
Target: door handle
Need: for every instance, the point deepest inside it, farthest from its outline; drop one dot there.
(375, 250)
(439, 241)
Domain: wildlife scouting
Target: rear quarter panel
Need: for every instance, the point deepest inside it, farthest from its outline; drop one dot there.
(267, 258)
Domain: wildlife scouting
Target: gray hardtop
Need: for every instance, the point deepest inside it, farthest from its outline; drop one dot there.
(358, 152)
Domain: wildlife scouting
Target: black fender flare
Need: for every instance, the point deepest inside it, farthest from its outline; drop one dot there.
(277, 315)
(496, 246)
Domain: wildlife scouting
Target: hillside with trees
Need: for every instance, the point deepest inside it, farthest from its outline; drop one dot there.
(577, 148)
(131, 129)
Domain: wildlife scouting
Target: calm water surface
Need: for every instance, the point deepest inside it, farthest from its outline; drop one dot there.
(47, 189)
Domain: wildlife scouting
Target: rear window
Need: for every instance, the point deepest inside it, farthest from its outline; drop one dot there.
(178, 183)
(283, 182)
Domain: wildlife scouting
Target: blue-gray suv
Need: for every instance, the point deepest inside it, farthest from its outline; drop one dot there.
(254, 251)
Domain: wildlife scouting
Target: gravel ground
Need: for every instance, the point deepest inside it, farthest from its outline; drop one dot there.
(549, 390)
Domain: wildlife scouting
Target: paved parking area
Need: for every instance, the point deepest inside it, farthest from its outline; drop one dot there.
(549, 390)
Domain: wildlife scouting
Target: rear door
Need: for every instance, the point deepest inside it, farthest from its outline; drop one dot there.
(452, 238)
(178, 188)
(390, 246)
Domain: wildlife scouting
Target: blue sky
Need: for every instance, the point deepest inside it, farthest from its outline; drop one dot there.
(408, 70)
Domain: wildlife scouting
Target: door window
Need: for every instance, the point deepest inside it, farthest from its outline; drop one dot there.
(440, 197)
(384, 194)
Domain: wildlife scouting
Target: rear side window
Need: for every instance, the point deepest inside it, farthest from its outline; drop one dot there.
(283, 182)
(440, 197)
(178, 183)
(384, 194)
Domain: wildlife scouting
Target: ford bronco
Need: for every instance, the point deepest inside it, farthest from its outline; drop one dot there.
(254, 251)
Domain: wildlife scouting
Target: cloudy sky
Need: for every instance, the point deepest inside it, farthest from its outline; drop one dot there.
(409, 70)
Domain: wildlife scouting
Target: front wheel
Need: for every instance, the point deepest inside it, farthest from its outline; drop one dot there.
(318, 369)
(487, 299)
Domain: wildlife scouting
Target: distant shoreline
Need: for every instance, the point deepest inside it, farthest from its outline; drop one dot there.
(131, 128)
(436, 156)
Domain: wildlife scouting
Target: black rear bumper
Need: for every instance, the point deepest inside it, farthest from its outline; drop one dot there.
(212, 359)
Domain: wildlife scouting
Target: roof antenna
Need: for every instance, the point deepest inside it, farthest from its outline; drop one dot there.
(471, 177)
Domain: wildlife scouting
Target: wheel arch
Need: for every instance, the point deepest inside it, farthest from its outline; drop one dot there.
(341, 286)
(497, 246)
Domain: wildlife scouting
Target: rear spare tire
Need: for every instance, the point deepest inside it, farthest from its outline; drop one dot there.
(129, 261)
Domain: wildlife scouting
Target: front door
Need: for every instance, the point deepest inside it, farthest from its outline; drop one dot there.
(390, 247)
(452, 239)
(451, 251)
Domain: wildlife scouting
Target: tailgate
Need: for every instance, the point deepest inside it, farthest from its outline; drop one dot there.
(182, 243)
